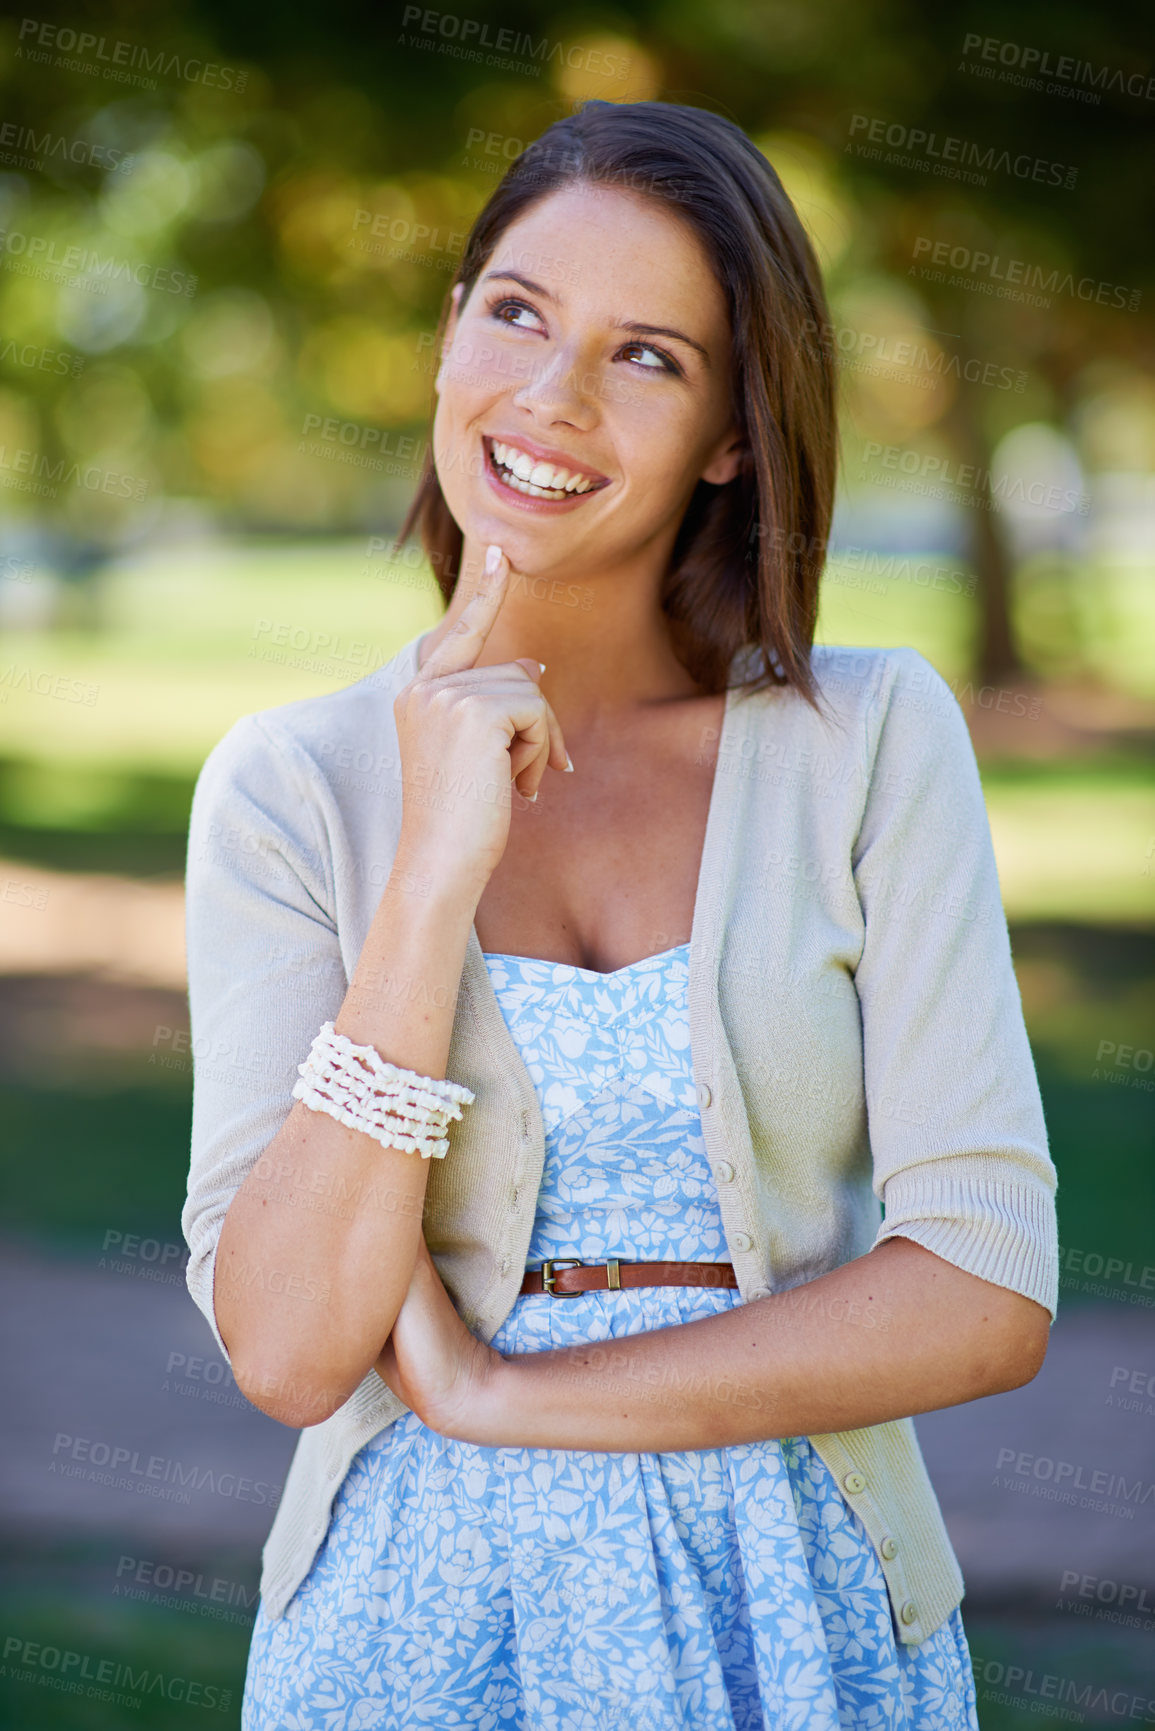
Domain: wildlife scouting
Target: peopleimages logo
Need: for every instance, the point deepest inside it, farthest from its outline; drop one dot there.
(469, 38)
(23, 147)
(947, 473)
(1035, 64)
(33, 356)
(163, 1577)
(62, 1669)
(1058, 1481)
(955, 158)
(1125, 1594)
(55, 44)
(38, 253)
(1019, 1686)
(925, 362)
(1016, 272)
(154, 1475)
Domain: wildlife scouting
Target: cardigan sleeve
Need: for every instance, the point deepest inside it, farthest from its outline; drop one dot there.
(264, 969)
(957, 1134)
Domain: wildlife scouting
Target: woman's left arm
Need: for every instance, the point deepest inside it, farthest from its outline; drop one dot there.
(896, 1332)
(936, 1313)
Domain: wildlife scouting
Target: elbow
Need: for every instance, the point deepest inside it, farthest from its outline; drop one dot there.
(272, 1374)
(1022, 1345)
(287, 1394)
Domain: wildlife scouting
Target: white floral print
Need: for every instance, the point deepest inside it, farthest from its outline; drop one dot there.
(522, 1589)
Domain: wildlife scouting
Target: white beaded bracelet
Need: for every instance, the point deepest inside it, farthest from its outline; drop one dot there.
(398, 1108)
(373, 1119)
(371, 1057)
(405, 1101)
(427, 1146)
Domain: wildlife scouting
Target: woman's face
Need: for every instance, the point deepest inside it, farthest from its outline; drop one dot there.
(585, 385)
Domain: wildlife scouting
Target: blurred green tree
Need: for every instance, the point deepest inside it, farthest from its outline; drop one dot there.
(271, 164)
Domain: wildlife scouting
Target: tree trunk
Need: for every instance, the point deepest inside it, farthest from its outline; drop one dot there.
(996, 652)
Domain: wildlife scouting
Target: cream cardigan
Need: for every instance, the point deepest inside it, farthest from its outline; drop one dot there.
(856, 1033)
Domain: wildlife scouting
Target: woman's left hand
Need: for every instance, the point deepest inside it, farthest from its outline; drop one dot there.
(431, 1361)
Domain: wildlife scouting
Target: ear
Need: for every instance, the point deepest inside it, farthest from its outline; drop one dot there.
(450, 331)
(726, 460)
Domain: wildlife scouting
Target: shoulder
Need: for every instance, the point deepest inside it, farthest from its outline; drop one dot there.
(893, 700)
(861, 690)
(869, 681)
(887, 726)
(915, 745)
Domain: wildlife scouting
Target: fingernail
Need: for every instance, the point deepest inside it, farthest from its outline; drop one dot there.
(541, 664)
(532, 798)
(568, 765)
(492, 561)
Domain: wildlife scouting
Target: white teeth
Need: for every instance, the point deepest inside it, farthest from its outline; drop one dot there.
(531, 491)
(540, 479)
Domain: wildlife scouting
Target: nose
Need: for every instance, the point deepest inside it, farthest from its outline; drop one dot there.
(561, 389)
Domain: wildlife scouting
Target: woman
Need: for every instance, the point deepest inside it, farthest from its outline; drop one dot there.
(607, 1412)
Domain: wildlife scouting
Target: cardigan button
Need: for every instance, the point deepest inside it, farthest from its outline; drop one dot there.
(909, 1612)
(705, 1097)
(888, 1548)
(725, 1172)
(854, 1483)
(743, 1241)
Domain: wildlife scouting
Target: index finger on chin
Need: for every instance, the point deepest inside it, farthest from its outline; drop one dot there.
(460, 648)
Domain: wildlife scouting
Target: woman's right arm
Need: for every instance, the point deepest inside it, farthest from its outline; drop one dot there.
(300, 1343)
(306, 1296)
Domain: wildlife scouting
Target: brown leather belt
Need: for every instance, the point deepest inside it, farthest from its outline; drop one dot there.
(566, 1277)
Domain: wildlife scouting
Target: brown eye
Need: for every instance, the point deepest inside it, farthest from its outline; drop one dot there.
(501, 308)
(659, 361)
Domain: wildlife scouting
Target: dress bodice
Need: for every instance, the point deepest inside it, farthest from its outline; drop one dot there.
(626, 1172)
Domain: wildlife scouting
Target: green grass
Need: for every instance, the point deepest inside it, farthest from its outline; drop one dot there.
(77, 1160)
(149, 1640)
(80, 817)
(1075, 840)
(1088, 994)
(1082, 1657)
(183, 646)
(1100, 1139)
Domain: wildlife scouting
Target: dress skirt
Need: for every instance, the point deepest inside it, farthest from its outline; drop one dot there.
(528, 1589)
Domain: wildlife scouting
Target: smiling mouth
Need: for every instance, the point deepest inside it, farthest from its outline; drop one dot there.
(522, 473)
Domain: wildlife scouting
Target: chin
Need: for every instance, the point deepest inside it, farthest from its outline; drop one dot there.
(528, 552)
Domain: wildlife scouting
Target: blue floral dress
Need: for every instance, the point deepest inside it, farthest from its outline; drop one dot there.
(527, 1589)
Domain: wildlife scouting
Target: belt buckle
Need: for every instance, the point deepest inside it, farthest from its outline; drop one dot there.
(547, 1278)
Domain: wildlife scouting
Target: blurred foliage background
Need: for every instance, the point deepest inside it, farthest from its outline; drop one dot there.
(225, 249)
(225, 239)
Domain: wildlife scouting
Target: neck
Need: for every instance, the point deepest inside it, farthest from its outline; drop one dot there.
(603, 637)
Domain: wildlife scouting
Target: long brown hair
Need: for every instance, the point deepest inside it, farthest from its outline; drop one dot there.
(748, 556)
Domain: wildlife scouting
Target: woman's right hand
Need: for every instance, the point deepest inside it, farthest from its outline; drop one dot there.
(472, 739)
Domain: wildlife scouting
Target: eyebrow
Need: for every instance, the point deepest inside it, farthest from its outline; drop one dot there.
(634, 326)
